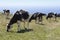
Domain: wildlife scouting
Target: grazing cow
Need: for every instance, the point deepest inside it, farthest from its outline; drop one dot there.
(56, 15)
(17, 18)
(41, 17)
(6, 12)
(37, 16)
(50, 15)
(34, 17)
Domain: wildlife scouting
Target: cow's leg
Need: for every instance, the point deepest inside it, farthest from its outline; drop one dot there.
(24, 24)
(7, 15)
(30, 19)
(55, 18)
(36, 20)
(41, 20)
(18, 23)
(27, 25)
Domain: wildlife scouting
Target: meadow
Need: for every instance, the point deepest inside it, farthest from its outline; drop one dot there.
(50, 30)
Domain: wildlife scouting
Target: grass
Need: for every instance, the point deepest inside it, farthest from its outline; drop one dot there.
(49, 31)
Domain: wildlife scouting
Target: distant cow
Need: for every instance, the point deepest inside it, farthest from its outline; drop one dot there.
(50, 15)
(34, 17)
(19, 16)
(56, 15)
(41, 16)
(6, 12)
(37, 16)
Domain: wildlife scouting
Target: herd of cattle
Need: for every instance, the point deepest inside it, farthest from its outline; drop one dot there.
(23, 16)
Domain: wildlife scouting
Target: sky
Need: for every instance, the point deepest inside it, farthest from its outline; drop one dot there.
(34, 5)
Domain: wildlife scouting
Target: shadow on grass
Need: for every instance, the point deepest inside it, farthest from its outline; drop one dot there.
(41, 24)
(23, 31)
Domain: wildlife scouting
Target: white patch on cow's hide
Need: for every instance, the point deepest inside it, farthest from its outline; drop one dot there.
(20, 13)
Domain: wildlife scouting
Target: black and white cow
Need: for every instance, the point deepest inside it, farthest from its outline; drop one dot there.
(7, 12)
(41, 17)
(34, 17)
(37, 17)
(50, 15)
(19, 16)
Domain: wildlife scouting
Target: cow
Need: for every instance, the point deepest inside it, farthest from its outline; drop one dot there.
(37, 16)
(56, 15)
(41, 17)
(19, 16)
(34, 17)
(7, 12)
(50, 15)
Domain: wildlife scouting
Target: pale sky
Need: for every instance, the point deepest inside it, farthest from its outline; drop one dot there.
(30, 3)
